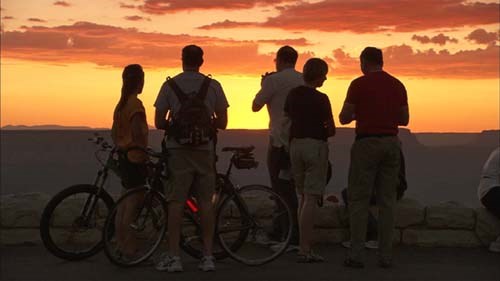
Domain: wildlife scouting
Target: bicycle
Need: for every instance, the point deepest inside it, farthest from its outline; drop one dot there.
(72, 221)
(244, 216)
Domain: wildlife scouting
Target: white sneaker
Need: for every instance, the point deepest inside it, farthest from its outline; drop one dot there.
(495, 246)
(207, 263)
(370, 244)
(290, 248)
(170, 264)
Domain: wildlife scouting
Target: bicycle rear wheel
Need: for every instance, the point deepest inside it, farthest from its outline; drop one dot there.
(135, 227)
(72, 221)
(246, 218)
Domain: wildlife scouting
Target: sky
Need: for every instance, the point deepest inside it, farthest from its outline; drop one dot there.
(61, 61)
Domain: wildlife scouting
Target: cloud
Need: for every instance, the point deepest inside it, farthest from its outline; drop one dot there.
(127, 6)
(402, 60)
(481, 36)
(7, 18)
(227, 24)
(440, 39)
(136, 18)
(62, 4)
(115, 46)
(160, 7)
(366, 16)
(281, 42)
(36, 20)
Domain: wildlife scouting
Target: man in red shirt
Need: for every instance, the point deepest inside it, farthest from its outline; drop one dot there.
(379, 104)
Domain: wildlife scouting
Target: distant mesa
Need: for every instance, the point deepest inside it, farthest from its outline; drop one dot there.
(487, 138)
(47, 127)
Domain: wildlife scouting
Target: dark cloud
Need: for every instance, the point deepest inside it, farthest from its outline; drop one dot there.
(227, 24)
(7, 18)
(439, 39)
(136, 18)
(291, 42)
(403, 60)
(36, 20)
(62, 4)
(127, 6)
(481, 36)
(115, 46)
(366, 16)
(161, 7)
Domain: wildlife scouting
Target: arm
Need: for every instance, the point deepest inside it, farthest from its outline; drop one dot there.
(221, 119)
(161, 119)
(347, 114)
(329, 122)
(264, 95)
(139, 128)
(404, 116)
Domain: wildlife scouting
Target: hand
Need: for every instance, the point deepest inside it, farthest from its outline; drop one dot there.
(265, 75)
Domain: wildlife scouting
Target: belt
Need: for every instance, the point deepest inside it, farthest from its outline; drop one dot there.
(358, 137)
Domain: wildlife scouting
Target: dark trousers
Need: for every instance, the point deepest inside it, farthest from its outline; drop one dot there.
(372, 226)
(492, 201)
(276, 158)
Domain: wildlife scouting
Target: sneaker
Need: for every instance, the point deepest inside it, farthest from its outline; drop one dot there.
(309, 258)
(290, 248)
(207, 263)
(170, 264)
(371, 244)
(495, 246)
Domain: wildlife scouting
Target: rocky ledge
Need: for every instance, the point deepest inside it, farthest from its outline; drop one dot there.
(448, 224)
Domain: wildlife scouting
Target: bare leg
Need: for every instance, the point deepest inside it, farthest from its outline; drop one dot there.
(207, 217)
(306, 221)
(175, 213)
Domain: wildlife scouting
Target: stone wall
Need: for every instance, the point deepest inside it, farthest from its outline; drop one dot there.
(447, 224)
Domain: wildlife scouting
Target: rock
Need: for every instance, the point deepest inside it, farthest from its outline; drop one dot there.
(450, 215)
(330, 216)
(487, 226)
(409, 212)
(22, 210)
(440, 238)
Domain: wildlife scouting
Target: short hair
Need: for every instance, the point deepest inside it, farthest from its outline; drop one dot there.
(313, 69)
(192, 55)
(372, 55)
(287, 54)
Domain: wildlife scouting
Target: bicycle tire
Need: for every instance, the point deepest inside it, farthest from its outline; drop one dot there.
(51, 231)
(152, 217)
(192, 243)
(255, 222)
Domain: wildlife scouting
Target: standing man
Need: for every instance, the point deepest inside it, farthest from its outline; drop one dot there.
(196, 107)
(274, 90)
(379, 104)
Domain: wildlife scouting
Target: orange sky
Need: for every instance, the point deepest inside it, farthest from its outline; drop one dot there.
(61, 60)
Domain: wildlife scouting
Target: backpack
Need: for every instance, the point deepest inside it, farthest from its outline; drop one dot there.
(192, 125)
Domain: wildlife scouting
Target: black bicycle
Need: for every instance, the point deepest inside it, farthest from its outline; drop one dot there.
(244, 217)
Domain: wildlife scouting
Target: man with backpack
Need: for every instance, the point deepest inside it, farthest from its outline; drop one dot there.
(196, 107)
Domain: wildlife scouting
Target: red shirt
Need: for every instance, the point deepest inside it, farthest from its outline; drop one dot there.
(378, 98)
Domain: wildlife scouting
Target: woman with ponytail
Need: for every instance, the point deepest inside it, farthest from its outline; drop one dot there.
(130, 135)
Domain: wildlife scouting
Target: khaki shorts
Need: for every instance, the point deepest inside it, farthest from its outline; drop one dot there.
(309, 159)
(190, 172)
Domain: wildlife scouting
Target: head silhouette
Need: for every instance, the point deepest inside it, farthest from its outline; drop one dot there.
(192, 56)
(371, 59)
(133, 82)
(286, 57)
(315, 71)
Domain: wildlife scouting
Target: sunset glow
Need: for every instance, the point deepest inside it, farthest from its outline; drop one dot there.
(61, 61)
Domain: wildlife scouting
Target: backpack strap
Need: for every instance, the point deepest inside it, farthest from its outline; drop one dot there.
(202, 93)
(178, 92)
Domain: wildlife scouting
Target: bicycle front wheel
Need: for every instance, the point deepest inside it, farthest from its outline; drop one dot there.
(135, 227)
(72, 221)
(246, 218)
